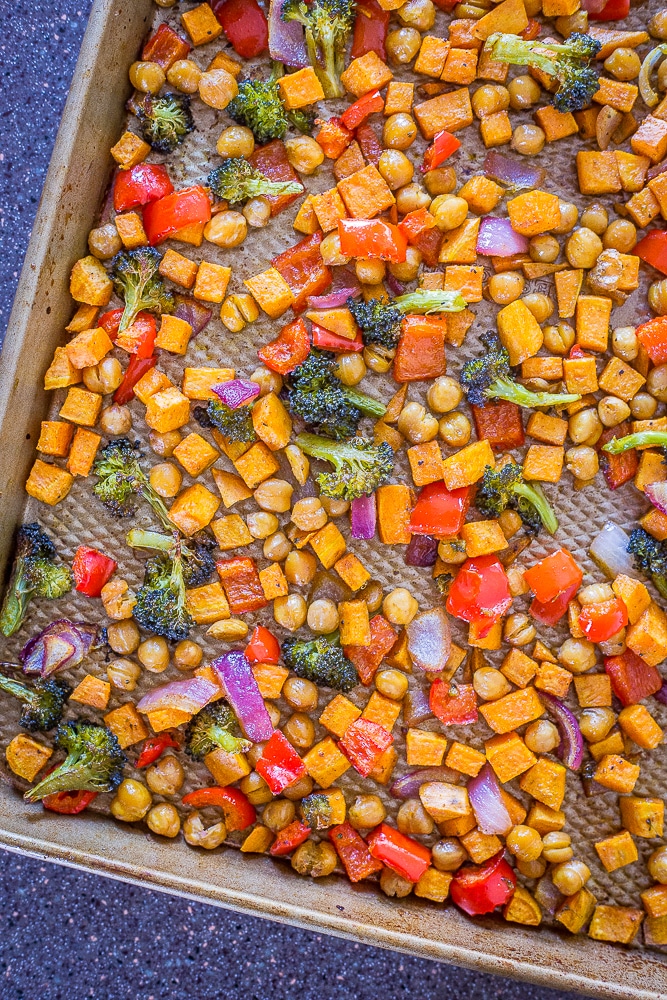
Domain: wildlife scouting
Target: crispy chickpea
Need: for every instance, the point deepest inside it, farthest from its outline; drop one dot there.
(570, 876)
(226, 229)
(623, 63)
(197, 835)
(595, 218)
(540, 305)
(657, 297)
(104, 377)
(582, 462)
(577, 655)
(131, 801)
(556, 847)
(350, 367)
(104, 241)
(444, 395)
(506, 287)
(531, 869)
(185, 75)
(518, 629)
(656, 383)
(583, 248)
(267, 381)
(187, 655)
(300, 567)
(657, 865)
(123, 674)
(274, 495)
(369, 271)
(396, 168)
(290, 611)
(309, 514)
(123, 636)
(166, 776)
(372, 594)
(148, 77)
(378, 358)
(524, 842)
(452, 550)
(419, 14)
(542, 736)
(300, 694)
(217, 88)
(278, 814)
(528, 139)
(322, 616)
(489, 99)
(300, 788)
(399, 607)
(658, 24)
(164, 444)
(115, 420)
(449, 211)
(316, 860)
(276, 547)
(257, 212)
(442, 180)
(153, 654)
(524, 92)
(412, 818)
(392, 683)
(584, 427)
(411, 198)
(304, 154)
(409, 269)
(393, 884)
(621, 235)
(612, 411)
(300, 731)
(490, 684)
(399, 131)
(643, 406)
(416, 424)
(448, 854)
(544, 249)
(403, 45)
(366, 812)
(335, 508)
(595, 593)
(624, 343)
(330, 251)
(455, 429)
(163, 820)
(569, 215)
(516, 580)
(253, 785)
(510, 522)
(165, 479)
(262, 523)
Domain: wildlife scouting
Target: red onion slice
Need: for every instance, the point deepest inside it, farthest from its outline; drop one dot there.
(661, 695)
(192, 312)
(487, 802)
(395, 286)
(233, 669)
(416, 707)
(657, 494)
(496, 238)
(62, 644)
(571, 749)
(286, 38)
(408, 786)
(421, 551)
(236, 392)
(189, 695)
(429, 640)
(334, 300)
(363, 515)
(514, 173)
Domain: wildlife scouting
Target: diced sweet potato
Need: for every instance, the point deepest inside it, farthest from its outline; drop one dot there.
(617, 774)
(193, 509)
(513, 710)
(83, 451)
(615, 923)
(394, 506)
(92, 691)
(81, 407)
(617, 851)
(365, 193)
(339, 714)
(167, 410)
(325, 763)
(271, 292)
(534, 212)
(509, 16)
(90, 283)
(127, 725)
(452, 111)
(201, 24)
(195, 454)
(48, 483)
(467, 466)
(26, 757)
(301, 88)
(55, 437)
(425, 749)
(545, 781)
(366, 73)
(519, 331)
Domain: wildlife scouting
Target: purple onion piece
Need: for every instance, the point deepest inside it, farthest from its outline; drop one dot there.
(657, 494)
(189, 695)
(487, 802)
(192, 312)
(422, 550)
(661, 695)
(62, 644)
(571, 749)
(287, 43)
(363, 515)
(396, 287)
(657, 168)
(416, 707)
(236, 392)
(429, 640)
(334, 300)
(515, 173)
(408, 786)
(235, 674)
(496, 238)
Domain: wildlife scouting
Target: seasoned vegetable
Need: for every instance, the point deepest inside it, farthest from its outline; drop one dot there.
(321, 660)
(137, 281)
(360, 465)
(650, 557)
(35, 573)
(213, 729)
(237, 180)
(328, 25)
(165, 121)
(43, 703)
(121, 479)
(505, 487)
(490, 377)
(94, 761)
(235, 424)
(323, 402)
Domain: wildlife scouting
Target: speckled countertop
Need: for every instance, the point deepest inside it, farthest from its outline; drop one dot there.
(66, 935)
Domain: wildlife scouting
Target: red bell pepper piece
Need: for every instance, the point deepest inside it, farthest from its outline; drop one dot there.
(263, 646)
(500, 424)
(290, 348)
(271, 160)
(136, 369)
(400, 853)
(362, 109)
(653, 337)
(632, 678)
(68, 803)
(363, 743)
(91, 570)
(353, 852)
(613, 10)
(553, 574)
(328, 341)
(140, 185)
(421, 231)
(617, 469)
(551, 612)
(241, 583)
(439, 511)
(367, 659)
(110, 321)
(370, 29)
(280, 764)
(479, 889)
(370, 145)
(532, 30)
(453, 704)
(139, 338)
(653, 249)
(420, 354)
(154, 747)
(164, 217)
(333, 137)
(245, 25)
(304, 270)
(442, 147)
(600, 621)
(372, 238)
(165, 47)
(288, 839)
(480, 592)
(578, 352)
(238, 810)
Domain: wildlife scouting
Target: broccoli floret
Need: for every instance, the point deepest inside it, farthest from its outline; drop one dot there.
(259, 107)
(165, 121)
(568, 62)
(328, 24)
(650, 557)
(321, 661)
(94, 761)
(443, 582)
(379, 323)
(490, 377)
(196, 554)
(34, 574)
(303, 120)
(121, 479)
(161, 600)
(43, 703)
(236, 425)
(505, 487)
(237, 180)
(642, 439)
(212, 729)
(137, 280)
(316, 810)
(360, 466)
(424, 301)
(323, 402)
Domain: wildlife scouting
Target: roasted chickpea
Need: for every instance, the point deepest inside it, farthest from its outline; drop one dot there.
(510, 522)
(582, 462)
(309, 514)
(164, 444)
(524, 843)
(217, 88)
(330, 251)
(403, 45)
(370, 272)
(570, 876)
(396, 168)
(104, 242)
(643, 406)
(519, 629)
(621, 235)
(531, 869)
(411, 198)
(524, 92)
(528, 139)
(148, 77)
(452, 550)
(262, 523)
(300, 731)
(131, 801)
(165, 479)
(658, 26)
(544, 249)
(455, 429)
(166, 776)
(442, 180)
(399, 131)
(300, 694)
(267, 381)
(657, 297)
(585, 426)
(290, 611)
(416, 424)
(274, 495)
(489, 99)
(300, 567)
(624, 343)
(399, 607)
(323, 616)
(185, 75)
(316, 860)
(540, 305)
(123, 674)
(444, 394)
(197, 835)
(542, 736)
(506, 287)
(278, 814)
(335, 508)
(448, 854)
(393, 884)
(237, 140)
(257, 212)
(569, 214)
(490, 684)
(412, 818)
(656, 382)
(153, 654)
(556, 847)
(104, 377)
(419, 14)
(300, 788)
(449, 211)
(595, 218)
(583, 247)
(123, 636)
(577, 655)
(163, 820)
(657, 865)
(613, 411)
(276, 547)
(366, 812)
(115, 420)
(623, 63)
(372, 594)
(304, 154)
(226, 229)
(253, 785)
(408, 270)
(378, 358)
(350, 367)
(392, 683)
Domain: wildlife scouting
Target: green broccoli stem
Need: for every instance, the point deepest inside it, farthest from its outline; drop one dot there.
(227, 741)
(329, 451)
(423, 301)
(518, 52)
(137, 538)
(535, 496)
(641, 439)
(17, 598)
(368, 405)
(70, 776)
(14, 688)
(514, 392)
(256, 188)
(157, 503)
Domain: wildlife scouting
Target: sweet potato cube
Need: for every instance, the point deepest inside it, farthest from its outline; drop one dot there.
(271, 292)
(519, 331)
(532, 213)
(272, 422)
(617, 774)
(598, 172)
(61, 372)
(545, 782)
(632, 170)
(568, 285)
(618, 924)
(231, 532)
(513, 710)
(460, 66)
(201, 24)
(365, 193)
(167, 410)
(349, 161)
(629, 279)
(394, 506)
(548, 429)
(553, 679)
(481, 193)
(211, 283)
(425, 463)
(443, 801)
(518, 668)
(256, 465)
(648, 636)
(179, 269)
(466, 279)
(174, 334)
(366, 73)
(433, 885)
(612, 744)
(328, 544)
(273, 581)
(509, 16)
(575, 911)
(131, 230)
(90, 283)
(509, 756)
(83, 451)
(544, 819)
(150, 383)
(555, 124)
(643, 207)
(616, 94)
(354, 623)
(83, 319)
(452, 111)
(198, 382)
(617, 851)
(399, 97)
(654, 900)
(651, 470)
(580, 375)
(193, 509)
(88, 348)
(352, 571)
(523, 909)
(339, 714)
(467, 466)
(496, 129)
(92, 691)
(241, 583)
(593, 690)
(127, 725)
(423, 748)
(384, 768)
(482, 538)
(258, 841)
(81, 407)
(325, 763)
(592, 322)
(642, 817)
(195, 454)
(637, 722)
(328, 207)
(465, 759)
(481, 846)
(492, 640)
(300, 89)
(620, 379)
(48, 483)
(384, 711)
(129, 150)
(432, 54)
(26, 757)
(339, 321)
(543, 462)
(459, 246)
(650, 139)
(55, 437)
(207, 604)
(225, 767)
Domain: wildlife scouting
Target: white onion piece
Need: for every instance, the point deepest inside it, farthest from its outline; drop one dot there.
(609, 550)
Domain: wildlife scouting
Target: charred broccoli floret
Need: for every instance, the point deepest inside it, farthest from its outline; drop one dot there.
(316, 810)
(360, 466)
(259, 107)
(642, 439)
(196, 554)
(568, 62)
(327, 24)
(35, 573)
(236, 425)
(165, 121)
(43, 703)
(331, 408)
(321, 661)
(137, 280)
(212, 729)
(161, 600)
(505, 487)
(650, 557)
(94, 761)
(380, 322)
(121, 479)
(490, 377)
(237, 180)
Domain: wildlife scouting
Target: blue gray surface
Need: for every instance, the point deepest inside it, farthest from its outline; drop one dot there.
(66, 935)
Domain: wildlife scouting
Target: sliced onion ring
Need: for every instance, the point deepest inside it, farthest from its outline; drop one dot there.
(487, 803)
(408, 786)
(571, 749)
(650, 97)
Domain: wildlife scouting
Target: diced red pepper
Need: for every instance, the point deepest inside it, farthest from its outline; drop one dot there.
(553, 574)
(372, 238)
(370, 29)
(479, 889)
(632, 679)
(421, 231)
(439, 511)
(68, 803)
(280, 764)
(154, 747)
(551, 612)
(241, 583)
(577, 353)
(140, 185)
(402, 854)
(652, 249)
(613, 10)
(480, 593)
(239, 812)
(328, 341)
(139, 337)
(263, 646)
(532, 30)
(110, 321)
(370, 145)
(653, 337)
(333, 137)
(165, 47)
(91, 570)
(362, 109)
(164, 217)
(420, 354)
(453, 704)
(367, 659)
(442, 147)
(304, 270)
(600, 621)
(289, 838)
(136, 369)
(271, 160)
(617, 469)
(245, 25)
(353, 852)
(363, 743)
(500, 424)
(290, 348)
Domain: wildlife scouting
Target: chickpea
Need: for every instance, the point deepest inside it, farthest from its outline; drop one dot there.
(516, 580)
(366, 812)
(524, 92)
(164, 444)
(416, 424)
(506, 287)
(257, 212)
(396, 168)
(323, 616)
(455, 429)
(290, 611)
(370, 272)
(300, 731)
(409, 270)
(518, 629)
(643, 406)
(524, 843)
(330, 251)
(267, 381)
(544, 249)
(449, 211)
(657, 297)
(612, 411)
(165, 479)
(274, 495)
(253, 785)
(448, 854)
(131, 801)
(403, 44)
(542, 736)
(595, 218)
(452, 550)
(300, 694)
(123, 636)
(378, 358)
(658, 24)
(104, 242)
(490, 684)
(393, 884)
(262, 523)
(372, 594)
(217, 88)
(656, 383)
(489, 99)
(197, 835)
(528, 139)
(570, 876)
(556, 847)
(226, 229)
(657, 865)
(350, 367)
(104, 377)
(316, 860)
(442, 180)
(411, 198)
(166, 776)
(185, 75)
(300, 567)
(399, 131)
(419, 14)
(624, 343)
(163, 820)
(335, 508)
(583, 248)
(153, 654)
(510, 522)
(585, 427)
(309, 514)
(412, 818)
(444, 395)
(531, 869)
(577, 655)
(123, 674)
(621, 235)
(540, 305)
(278, 814)
(595, 593)
(304, 154)
(569, 215)
(148, 77)
(300, 788)
(187, 655)
(299, 465)
(662, 76)
(392, 684)
(582, 462)
(399, 606)
(623, 63)
(115, 420)
(276, 547)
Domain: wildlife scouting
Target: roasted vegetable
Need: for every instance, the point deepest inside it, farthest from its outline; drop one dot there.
(121, 479)
(380, 322)
(196, 554)
(323, 402)
(137, 280)
(360, 466)
(328, 25)
(321, 660)
(236, 425)
(43, 703)
(161, 601)
(94, 761)
(642, 439)
(212, 729)
(237, 180)
(490, 377)
(165, 121)
(650, 556)
(505, 487)
(259, 107)
(34, 574)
